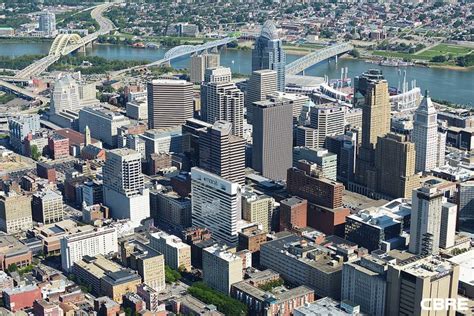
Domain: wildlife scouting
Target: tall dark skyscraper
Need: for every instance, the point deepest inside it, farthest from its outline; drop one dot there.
(272, 152)
(268, 53)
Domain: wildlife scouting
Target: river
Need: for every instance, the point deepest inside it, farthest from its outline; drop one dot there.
(453, 85)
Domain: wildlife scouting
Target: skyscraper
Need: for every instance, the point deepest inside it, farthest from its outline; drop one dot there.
(212, 75)
(272, 138)
(170, 102)
(216, 204)
(426, 213)
(395, 166)
(224, 101)
(222, 153)
(47, 23)
(361, 85)
(199, 63)
(426, 136)
(375, 123)
(328, 120)
(268, 53)
(65, 95)
(124, 191)
(261, 83)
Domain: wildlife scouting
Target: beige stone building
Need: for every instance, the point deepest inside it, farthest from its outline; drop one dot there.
(15, 213)
(375, 123)
(257, 209)
(395, 166)
(177, 253)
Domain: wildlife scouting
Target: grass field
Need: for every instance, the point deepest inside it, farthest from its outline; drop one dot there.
(440, 49)
(445, 49)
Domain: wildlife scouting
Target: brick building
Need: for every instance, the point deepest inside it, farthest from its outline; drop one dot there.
(19, 298)
(58, 146)
(293, 213)
(309, 185)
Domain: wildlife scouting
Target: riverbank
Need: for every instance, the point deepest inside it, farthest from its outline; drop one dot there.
(420, 65)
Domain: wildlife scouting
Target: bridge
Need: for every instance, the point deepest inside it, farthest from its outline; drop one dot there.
(65, 44)
(177, 52)
(313, 58)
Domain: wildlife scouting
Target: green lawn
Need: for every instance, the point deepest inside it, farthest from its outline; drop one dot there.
(440, 49)
(444, 49)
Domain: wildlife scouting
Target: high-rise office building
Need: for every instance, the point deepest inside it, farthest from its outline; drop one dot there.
(224, 101)
(217, 75)
(411, 281)
(261, 83)
(216, 204)
(426, 136)
(47, 23)
(375, 123)
(268, 53)
(298, 101)
(395, 166)
(345, 148)
(124, 191)
(361, 84)
(19, 127)
(272, 138)
(425, 226)
(199, 64)
(170, 102)
(222, 153)
(328, 120)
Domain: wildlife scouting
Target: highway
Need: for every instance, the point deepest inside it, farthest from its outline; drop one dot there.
(21, 91)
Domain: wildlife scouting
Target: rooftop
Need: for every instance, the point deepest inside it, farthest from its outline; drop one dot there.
(466, 266)
(222, 252)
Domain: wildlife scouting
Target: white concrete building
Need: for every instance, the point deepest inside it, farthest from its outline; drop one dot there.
(447, 236)
(65, 96)
(177, 253)
(90, 242)
(124, 191)
(216, 204)
(221, 268)
(103, 123)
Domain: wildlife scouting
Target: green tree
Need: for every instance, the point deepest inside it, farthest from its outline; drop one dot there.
(12, 267)
(171, 276)
(35, 153)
